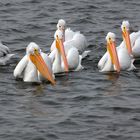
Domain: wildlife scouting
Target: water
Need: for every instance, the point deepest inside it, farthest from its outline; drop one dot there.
(85, 105)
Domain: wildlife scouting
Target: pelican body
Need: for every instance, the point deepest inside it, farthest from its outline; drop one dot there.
(135, 43)
(35, 66)
(65, 57)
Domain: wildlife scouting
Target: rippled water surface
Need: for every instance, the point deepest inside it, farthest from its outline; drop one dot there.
(85, 105)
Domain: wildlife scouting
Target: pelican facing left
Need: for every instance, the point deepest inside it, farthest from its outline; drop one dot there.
(35, 66)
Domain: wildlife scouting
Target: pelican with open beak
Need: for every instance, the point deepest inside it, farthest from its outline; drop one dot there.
(35, 66)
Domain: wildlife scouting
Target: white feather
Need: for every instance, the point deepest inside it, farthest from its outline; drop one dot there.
(18, 72)
(135, 43)
(73, 58)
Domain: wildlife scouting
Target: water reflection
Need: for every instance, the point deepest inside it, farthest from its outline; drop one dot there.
(114, 88)
(112, 76)
(38, 90)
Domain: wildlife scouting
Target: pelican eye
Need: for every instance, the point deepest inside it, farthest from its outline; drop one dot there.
(56, 35)
(36, 50)
(124, 27)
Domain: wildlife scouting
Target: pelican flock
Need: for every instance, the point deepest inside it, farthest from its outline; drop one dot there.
(68, 50)
(64, 56)
(70, 37)
(72, 45)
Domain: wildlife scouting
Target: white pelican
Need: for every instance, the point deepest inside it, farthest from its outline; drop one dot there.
(61, 25)
(75, 39)
(115, 59)
(133, 38)
(64, 56)
(5, 55)
(34, 66)
(135, 43)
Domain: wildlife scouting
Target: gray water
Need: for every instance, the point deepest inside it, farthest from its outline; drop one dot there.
(85, 105)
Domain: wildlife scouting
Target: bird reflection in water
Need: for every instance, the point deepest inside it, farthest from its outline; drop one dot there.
(114, 88)
(38, 90)
(113, 76)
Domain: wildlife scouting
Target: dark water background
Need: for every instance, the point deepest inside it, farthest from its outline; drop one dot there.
(85, 105)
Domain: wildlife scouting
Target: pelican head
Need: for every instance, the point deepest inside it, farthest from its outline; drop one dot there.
(110, 37)
(126, 35)
(125, 25)
(61, 24)
(60, 47)
(59, 34)
(32, 49)
(34, 53)
(111, 48)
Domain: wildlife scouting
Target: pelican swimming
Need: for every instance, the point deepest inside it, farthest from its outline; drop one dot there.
(124, 50)
(134, 45)
(35, 66)
(5, 55)
(115, 59)
(70, 37)
(65, 57)
(134, 39)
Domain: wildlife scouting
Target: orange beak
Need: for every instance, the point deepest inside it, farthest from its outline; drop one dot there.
(38, 61)
(111, 47)
(126, 37)
(60, 47)
(63, 30)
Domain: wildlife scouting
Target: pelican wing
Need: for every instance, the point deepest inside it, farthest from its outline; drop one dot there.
(20, 67)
